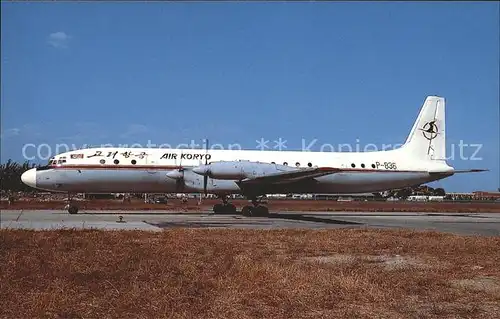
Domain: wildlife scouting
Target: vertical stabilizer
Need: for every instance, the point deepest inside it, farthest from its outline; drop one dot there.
(427, 138)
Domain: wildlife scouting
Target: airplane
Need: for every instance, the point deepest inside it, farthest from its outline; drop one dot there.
(252, 173)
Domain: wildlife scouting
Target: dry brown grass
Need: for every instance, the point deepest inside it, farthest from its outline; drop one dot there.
(205, 273)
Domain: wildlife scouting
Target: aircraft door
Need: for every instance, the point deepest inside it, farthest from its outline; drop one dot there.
(150, 162)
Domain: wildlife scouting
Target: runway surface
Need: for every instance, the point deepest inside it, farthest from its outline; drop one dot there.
(486, 224)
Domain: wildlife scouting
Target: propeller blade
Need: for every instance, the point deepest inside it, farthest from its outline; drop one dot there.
(205, 182)
(180, 163)
(206, 151)
(205, 177)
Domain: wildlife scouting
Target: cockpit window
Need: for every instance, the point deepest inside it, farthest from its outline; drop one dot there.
(60, 160)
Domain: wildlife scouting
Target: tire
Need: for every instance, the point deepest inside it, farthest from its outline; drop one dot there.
(218, 208)
(261, 211)
(247, 211)
(73, 210)
(230, 209)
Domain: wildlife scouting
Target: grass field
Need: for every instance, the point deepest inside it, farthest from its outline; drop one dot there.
(204, 273)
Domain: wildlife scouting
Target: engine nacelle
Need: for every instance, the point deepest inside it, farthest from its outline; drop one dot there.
(238, 170)
(175, 174)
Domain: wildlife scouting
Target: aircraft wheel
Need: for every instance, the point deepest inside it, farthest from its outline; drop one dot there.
(72, 209)
(218, 208)
(261, 211)
(247, 211)
(230, 208)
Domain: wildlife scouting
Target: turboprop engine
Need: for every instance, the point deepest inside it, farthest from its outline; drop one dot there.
(187, 180)
(238, 170)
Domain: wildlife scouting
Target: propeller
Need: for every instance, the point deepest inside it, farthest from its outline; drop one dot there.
(205, 177)
(179, 181)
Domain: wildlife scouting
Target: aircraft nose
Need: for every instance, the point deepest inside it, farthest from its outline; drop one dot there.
(29, 177)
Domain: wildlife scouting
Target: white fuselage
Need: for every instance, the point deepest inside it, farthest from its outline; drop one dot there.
(145, 170)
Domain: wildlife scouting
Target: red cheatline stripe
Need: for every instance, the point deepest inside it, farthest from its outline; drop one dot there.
(91, 166)
(171, 167)
(367, 170)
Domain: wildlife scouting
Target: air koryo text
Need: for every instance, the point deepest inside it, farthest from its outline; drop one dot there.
(196, 156)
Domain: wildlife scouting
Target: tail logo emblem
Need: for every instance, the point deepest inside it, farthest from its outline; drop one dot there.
(430, 130)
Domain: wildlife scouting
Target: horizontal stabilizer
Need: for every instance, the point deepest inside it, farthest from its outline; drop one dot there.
(474, 170)
(457, 171)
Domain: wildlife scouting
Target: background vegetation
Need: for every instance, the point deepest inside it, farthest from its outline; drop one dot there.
(10, 176)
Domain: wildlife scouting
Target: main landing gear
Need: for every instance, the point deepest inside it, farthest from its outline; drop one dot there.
(256, 210)
(225, 207)
(71, 206)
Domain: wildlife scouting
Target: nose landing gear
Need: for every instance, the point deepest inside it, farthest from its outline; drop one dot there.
(71, 206)
(72, 209)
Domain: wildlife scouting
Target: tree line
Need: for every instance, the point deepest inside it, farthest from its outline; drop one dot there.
(10, 176)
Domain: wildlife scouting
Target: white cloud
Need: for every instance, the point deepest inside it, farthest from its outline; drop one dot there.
(10, 132)
(59, 40)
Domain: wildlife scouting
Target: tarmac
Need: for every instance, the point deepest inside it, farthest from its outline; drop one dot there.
(483, 224)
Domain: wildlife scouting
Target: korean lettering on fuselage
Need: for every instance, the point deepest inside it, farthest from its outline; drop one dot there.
(114, 153)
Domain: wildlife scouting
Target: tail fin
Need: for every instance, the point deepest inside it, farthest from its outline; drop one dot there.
(427, 139)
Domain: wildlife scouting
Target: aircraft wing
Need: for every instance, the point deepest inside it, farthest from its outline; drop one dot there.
(286, 177)
(289, 176)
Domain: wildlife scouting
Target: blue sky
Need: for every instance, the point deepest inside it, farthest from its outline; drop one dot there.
(356, 73)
